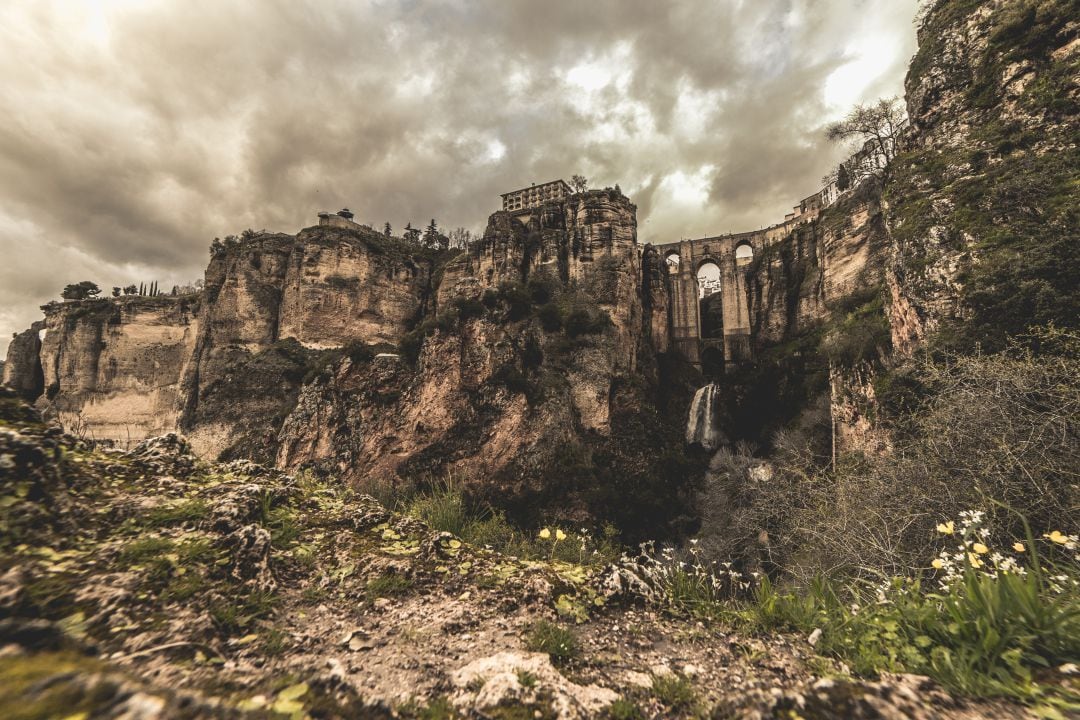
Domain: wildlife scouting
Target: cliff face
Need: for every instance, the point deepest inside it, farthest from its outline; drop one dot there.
(538, 379)
(275, 304)
(112, 367)
(22, 369)
(541, 363)
(341, 286)
(982, 205)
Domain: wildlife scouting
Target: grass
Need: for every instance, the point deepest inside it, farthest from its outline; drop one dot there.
(675, 691)
(177, 513)
(45, 685)
(526, 679)
(982, 635)
(237, 612)
(559, 643)
(388, 584)
(444, 507)
(625, 709)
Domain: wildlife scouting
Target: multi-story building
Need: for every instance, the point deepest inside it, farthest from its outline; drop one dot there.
(535, 195)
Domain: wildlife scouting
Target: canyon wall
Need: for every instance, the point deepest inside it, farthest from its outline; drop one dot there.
(111, 368)
(22, 369)
(551, 358)
(537, 382)
(275, 305)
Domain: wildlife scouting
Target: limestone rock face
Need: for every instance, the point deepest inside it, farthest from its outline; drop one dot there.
(544, 351)
(803, 277)
(340, 287)
(22, 368)
(112, 367)
(987, 171)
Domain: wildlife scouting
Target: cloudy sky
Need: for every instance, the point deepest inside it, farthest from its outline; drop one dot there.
(135, 131)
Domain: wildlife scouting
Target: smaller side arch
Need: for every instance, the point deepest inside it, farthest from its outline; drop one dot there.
(744, 254)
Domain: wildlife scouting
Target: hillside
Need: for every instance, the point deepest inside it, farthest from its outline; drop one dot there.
(150, 584)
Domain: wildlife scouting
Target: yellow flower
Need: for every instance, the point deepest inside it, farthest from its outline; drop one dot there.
(1057, 537)
(559, 534)
(545, 534)
(974, 560)
(946, 528)
(1019, 547)
(980, 548)
(937, 564)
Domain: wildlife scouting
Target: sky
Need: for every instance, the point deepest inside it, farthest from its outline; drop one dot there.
(136, 131)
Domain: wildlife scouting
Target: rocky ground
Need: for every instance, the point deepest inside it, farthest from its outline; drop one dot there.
(147, 584)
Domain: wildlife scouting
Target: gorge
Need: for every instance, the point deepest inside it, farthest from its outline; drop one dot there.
(554, 473)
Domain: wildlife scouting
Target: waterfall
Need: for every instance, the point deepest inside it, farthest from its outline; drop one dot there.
(701, 425)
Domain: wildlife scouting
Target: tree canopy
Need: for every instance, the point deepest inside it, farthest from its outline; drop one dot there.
(80, 291)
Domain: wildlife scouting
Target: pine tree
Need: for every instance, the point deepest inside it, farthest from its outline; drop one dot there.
(431, 235)
(387, 231)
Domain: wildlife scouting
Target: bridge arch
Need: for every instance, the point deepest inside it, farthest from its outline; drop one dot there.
(744, 253)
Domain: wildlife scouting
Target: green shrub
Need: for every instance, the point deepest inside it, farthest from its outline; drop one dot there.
(542, 289)
(624, 709)
(862, 335)
(550, 317)
(469, 307)
(581, 321)
(560, 643)
(518, 300)
(987, 632)
(968, 433)
(444, 508)
(359, 352)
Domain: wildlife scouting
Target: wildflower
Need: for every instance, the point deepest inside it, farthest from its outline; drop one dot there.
(1019, 547)
(545, 534)
(937, 564)
(980, 548)
(559, 534)
(974, 560)
(946, 528)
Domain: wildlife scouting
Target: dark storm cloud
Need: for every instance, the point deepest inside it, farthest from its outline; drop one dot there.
(138, 131)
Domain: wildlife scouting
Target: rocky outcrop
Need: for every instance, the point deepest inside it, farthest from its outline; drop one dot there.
(112, 367)
(343, 286)
(22, 369)
(546, 340)
(273, 302)
(981, 205)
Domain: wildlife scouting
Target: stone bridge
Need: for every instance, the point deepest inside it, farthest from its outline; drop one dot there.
(704, 329)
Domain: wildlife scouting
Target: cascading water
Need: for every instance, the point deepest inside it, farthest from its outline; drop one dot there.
(701, 425)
